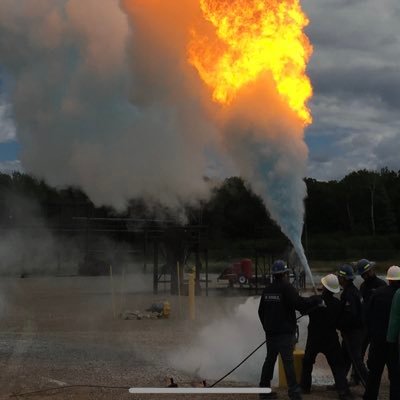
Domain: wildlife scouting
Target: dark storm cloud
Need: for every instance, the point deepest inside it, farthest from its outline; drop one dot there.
(379, 83)
(356, 79)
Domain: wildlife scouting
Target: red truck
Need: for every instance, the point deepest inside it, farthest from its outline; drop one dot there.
(239, 272)
(242, 273)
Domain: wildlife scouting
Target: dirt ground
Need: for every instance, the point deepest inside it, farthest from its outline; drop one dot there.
(57, 332)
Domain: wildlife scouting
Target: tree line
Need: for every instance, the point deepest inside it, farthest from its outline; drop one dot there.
(362, 204)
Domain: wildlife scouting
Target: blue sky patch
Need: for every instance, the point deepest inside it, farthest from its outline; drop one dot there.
(9, 151)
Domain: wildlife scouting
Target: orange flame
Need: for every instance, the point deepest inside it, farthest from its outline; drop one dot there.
(254, 36)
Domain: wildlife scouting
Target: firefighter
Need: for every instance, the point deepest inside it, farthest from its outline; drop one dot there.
(277, 312)
(351, 323)
(323, 338)
(381, 352)
(366, 269)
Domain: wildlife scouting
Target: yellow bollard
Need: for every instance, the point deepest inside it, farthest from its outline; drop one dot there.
(122, 291)
(298, 356)
(178, 271)
(166, 309)
(112, 291)
(191, 293)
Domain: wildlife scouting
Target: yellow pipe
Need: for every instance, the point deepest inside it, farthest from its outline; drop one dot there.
(122, 294)
(178, 271)
(298, 356)
(112, 291)
(192, 305)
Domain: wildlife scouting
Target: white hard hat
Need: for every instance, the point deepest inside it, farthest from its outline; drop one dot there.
(331, 282)
(393, 273)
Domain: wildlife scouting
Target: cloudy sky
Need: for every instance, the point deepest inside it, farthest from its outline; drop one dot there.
(355, 72)
(8, 140)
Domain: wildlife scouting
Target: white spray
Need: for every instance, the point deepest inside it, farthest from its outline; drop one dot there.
(266, 144)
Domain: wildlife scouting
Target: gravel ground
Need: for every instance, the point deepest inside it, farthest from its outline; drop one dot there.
(56, 332)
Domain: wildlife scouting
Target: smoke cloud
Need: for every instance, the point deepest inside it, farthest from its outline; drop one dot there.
(28, 246)
(97, 104)
(104, 98)
(230, 338)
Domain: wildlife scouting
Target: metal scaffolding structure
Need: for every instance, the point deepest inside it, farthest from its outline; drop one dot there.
(160, 242)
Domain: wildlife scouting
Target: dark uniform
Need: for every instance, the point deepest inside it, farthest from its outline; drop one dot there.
(367, 288)
(351, 326)
(381, 352)
(323, 338)
(277, 312)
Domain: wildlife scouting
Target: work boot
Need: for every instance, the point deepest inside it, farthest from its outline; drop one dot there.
(305, 390)
(354, 382)
(268, 396)
(354, 379)
(345, 395)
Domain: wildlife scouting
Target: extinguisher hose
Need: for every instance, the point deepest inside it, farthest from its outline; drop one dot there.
(237, 366)
(248, 356)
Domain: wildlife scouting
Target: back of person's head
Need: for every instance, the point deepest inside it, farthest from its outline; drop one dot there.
(346, 272)
(365, 268)
(279, 270)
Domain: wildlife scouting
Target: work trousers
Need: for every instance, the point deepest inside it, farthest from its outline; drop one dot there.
(352, 352)
(329, 346)
(381, 354)
(365, 344)
(283, 345)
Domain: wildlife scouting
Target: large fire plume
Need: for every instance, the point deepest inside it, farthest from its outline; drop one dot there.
(252, 37)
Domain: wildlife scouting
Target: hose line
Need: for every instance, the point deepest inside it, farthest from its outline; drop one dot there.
(255, 350)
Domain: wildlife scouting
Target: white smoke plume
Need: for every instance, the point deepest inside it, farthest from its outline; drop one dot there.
(265, 141)
(223, 343)
(29, 247)
(228, 339)
(104, 98)
(90, 108)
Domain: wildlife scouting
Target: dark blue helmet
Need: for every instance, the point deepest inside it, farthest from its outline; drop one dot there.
(364, 265)
(279, 267)
(346, 271)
